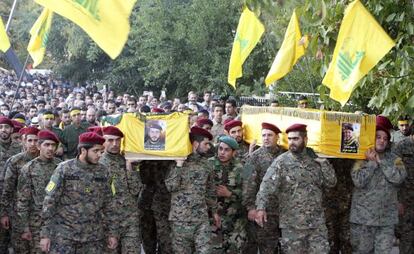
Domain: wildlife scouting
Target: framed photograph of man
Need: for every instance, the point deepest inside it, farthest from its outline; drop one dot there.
(350, 137)
(155, 135)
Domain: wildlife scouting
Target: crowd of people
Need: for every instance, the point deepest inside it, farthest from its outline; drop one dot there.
(66, 186)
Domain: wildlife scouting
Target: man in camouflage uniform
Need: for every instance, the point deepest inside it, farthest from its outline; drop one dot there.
(263, 239)
(374, 210)
(405, 129)
(13, 170)
(191, 196)
(230, 215)
(8, 148)
(147, 220)
(234, 128)
(160, 206)
(31, 189)
(71, 134)
(78, 210)
(126, 186)
(298, 180)
(405, 150)
(337, 204)
(46, 121)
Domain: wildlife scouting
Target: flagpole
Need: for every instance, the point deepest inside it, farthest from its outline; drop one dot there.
(11, 15)
(20, 78)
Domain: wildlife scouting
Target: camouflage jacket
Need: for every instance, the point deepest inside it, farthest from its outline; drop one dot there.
(125, 185)
(255, 169)
(31, 191)
(231, 177)
(191, 190)
(298, 181)
(78, 203)
(405, 150)
(7, 150)
(13, 166)
(374, 199)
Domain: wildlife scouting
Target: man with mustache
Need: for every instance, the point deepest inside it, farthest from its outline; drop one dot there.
(298, 180)
(31, 188)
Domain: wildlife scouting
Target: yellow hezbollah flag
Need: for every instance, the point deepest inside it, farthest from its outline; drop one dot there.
(360, 46)
(105, 21)
(291, 50)
(249, 31)
(4, 39)
(40, 33)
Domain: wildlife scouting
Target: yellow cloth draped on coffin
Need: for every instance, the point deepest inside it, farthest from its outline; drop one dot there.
(174, 134)
(326, 129)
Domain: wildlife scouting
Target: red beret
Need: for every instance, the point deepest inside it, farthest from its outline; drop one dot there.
(272, 127)
(157, 110)
(5, 120)
(91, 138)
(202, 121)
(47, 135)
(17, 126)
(384, 124)
(296, 127)
(112, 130)
(96, 129)
(233, 123)
(197, 131)
(29, 131)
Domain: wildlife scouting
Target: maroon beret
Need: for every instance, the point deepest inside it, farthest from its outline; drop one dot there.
(5, 120)
(296, 127)
(112, 130)
(91, 138)
(96, 129)
(272, 127)
(29, 131)
(47, 135)
(17, 126)
(157, 110)
(384, 124)
(197, 131)
(202, 121)
(233, 123)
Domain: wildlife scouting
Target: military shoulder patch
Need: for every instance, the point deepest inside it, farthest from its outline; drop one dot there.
(398, 162)
(357, 165)
(50, 186)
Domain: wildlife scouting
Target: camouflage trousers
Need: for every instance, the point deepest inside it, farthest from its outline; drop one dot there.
(65, 246)
(4, 240)
(234, 234)
(129, 241)
(264, 239)
(337, 222)
(406, 230)
(163, 230)
(148, 231)
(300, 241)
(19, 246)
(371, 239)
(191, 237)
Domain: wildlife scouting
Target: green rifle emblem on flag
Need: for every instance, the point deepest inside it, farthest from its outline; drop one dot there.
(346, 65)
(44, 33)
(91, 6)
(243, 42)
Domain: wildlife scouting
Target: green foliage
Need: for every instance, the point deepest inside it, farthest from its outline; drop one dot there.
(183, 45)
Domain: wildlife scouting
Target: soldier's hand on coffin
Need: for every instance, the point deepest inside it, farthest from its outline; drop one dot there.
(222, 191)
(179, 163)
(371, 154)
(261, 217)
